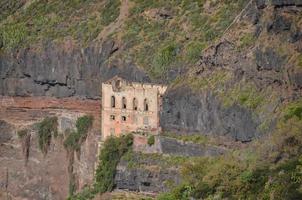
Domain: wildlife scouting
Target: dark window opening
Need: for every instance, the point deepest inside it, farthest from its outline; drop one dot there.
(124, 118)
(135, 104)
(112, 101)
(112, 117)
(146, 106)
(124, 103)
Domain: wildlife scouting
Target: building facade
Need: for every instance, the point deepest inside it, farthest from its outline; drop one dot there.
(130, 107)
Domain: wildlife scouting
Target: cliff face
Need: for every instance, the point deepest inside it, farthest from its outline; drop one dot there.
(28, 173)
(62, 71)
(261, 48)
(237, 87)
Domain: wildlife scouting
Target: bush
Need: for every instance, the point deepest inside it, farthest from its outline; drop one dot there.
(46, 129)
(113, 150)
(275, 173)
(22, 133)
(76, 138)
(294, 110)
(151, 140)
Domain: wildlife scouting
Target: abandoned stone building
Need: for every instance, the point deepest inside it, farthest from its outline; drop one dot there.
(130, 107)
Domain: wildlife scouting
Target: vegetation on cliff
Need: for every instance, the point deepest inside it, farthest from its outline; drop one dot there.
(112, 151)
(77, 137)
(47, 129)
(270, 168)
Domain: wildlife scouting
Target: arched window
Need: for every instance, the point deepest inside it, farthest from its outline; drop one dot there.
(146, 106)
(124, 103)
(112, 101)
(135, 104)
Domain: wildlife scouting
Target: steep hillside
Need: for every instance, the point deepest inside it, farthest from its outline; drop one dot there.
(233, 67)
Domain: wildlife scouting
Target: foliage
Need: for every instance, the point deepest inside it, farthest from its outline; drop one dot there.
(46, 129)
(243, 94)
(22, 133)
(42, 21)
(300, 61)
(246, 40)
(195, 138)
(193, 51)
(13, 35)
(76, 138)
(213, 81)
(112, 151)
(110, 11)
(294, 110)
(274, 173)
(155, 44)
(151, 140)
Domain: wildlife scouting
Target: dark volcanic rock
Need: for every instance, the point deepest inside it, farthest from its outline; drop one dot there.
(54, 71)
(268, 60)
(175, 147)
(280, 3)
(145, 180)
(184, 111)
(279, 24)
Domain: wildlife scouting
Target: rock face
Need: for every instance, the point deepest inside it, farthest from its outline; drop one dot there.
(55, 71)
(172, 146)
(25, 173)
(184, 111)
(152, 179)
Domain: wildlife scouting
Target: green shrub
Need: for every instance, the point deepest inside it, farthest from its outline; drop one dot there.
(294, 110)
(151, 140)
(275, 173)
(113, 150)
(46, 129)
(22, 133)
(77, 137)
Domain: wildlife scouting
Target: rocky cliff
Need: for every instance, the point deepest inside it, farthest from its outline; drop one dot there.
(28, 173)
(234, 69)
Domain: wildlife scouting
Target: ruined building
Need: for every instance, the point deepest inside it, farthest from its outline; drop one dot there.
(130, 107)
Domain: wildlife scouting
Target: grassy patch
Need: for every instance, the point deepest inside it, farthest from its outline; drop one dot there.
(246, 40)
(193, 51)
(245, 95)
(293, 110)
(195, 138)
(110, 11)
(213, 81)
(46, 129)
